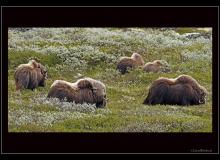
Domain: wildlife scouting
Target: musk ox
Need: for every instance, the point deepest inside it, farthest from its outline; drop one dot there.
(30, 76)
(183, 90)
(153, 66)
(84, 90)
(127, 62)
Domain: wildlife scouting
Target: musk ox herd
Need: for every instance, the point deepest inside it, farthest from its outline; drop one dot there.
(183, 90)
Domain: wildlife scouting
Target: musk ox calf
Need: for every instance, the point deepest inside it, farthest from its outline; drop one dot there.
(183, 90)
(84, 90)
(30, 76)
(153, 66)
(127, 62)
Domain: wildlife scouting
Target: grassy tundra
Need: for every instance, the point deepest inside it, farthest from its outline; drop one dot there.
(73, 53)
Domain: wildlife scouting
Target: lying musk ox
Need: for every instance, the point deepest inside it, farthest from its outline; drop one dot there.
(30, 76)
(153, 66)
(183, 90)
(84, 90)
(127, 62)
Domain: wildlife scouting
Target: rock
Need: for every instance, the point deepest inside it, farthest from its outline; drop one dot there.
(196, 35)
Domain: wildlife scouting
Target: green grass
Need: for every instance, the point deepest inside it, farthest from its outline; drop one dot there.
(190, 30)
(125, 93)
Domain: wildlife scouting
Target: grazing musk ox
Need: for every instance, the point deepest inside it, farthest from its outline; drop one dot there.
(127, 62)
(30, 76)
(183, 90)
(152, 66)
(84, 90)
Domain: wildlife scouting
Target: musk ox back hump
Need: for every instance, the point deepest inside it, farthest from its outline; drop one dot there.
(84, 90)
(184, 90)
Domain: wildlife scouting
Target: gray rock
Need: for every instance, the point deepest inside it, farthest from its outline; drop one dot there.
(196, 35)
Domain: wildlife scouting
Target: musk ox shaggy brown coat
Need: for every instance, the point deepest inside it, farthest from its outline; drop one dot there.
(183, 90)
(84, 90)
(127, 62)
(30, 76)
(152, 66)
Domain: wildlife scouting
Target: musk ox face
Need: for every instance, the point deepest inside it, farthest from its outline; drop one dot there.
(30, 76)
(184, 91)
(43, 70)
(84, 90)
(202, 99)
(126, 62)
(42, 82)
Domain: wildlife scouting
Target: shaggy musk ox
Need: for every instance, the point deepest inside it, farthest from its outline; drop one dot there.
(126, 62)
(30, 76)
(84, 90)
(152, 66)
(183, 90)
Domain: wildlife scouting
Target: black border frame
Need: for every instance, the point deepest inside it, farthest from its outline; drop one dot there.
(109, 16)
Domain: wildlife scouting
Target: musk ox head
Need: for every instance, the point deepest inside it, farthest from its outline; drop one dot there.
(84, 90)
(183, 90)
(30, 76)
(126, 62)
(153, 66)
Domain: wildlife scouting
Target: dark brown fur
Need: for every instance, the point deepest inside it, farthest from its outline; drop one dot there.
(30, 76)
(153, 66)
(127, 62)
(184, 91)
(84, 90)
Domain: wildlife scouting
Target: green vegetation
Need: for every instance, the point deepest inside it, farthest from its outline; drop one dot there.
(73, 53)
(190, 30)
